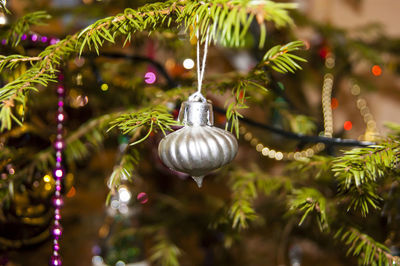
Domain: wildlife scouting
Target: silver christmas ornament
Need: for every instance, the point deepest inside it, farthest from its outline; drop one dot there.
(198, 147)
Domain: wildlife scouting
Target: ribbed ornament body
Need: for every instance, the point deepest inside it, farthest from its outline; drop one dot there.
(198, 147)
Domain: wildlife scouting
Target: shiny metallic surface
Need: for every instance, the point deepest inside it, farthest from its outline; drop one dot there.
(196, 114)
(199, 147)
(198, 150)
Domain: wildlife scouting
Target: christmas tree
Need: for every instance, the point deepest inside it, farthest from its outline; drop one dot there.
(121, 104)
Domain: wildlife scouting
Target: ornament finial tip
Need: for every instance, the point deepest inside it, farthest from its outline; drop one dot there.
(199, 180)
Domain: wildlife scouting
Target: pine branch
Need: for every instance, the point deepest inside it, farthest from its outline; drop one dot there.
(282, 60)
(372, 252)
(228, 21)
(358, 170)
(3, 7)
(232, 112)
(122, 171)
(244, 191)
(13, 61)
(394, 128)
(164, 252)
(246, 186)
(41, 73)
(317, 167)
(91, 132)
(22, 26)
(307, 201)
(153, 118)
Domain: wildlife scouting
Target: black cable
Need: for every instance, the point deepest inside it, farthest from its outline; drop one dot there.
(301, 137)
(160, 68)
(278, 131)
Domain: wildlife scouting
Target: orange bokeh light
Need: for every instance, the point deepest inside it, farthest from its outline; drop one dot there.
(334, 103)
(348, 125)
(71, 192)
(376, 70)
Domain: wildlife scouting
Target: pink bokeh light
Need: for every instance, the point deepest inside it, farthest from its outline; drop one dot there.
(150, 77)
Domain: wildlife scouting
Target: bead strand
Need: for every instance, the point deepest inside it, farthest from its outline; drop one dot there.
(59, 145)
(59, 173)
(327, 96)
(279, 155)
(371, 132)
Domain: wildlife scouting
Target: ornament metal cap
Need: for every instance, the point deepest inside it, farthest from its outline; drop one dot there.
(196, 113)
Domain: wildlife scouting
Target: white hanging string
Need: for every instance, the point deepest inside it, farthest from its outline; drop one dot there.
(201, 67)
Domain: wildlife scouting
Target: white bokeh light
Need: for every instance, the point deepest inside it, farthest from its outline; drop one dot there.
(188, 63)
(114, 204)
(120, 263)
(124, 194)
(97, 261)
(123, 208)
(3, 19)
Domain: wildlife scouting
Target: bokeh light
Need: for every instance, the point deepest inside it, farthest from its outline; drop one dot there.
(46, 178)
(124, 194)
(59, 173)
(47, 186)
(142, 197)
(150, 77)
(376, 70)
(60, 117)
(348, 125)
(71, 192)
(120, 263)
(97, 260)
(334, 103)
(104, 87)
(188, 63)
(3, 19)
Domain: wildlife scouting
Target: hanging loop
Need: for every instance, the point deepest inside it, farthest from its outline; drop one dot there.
(197, 97)
(201, 68)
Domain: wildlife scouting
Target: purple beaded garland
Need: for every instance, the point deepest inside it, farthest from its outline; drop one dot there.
(56, 231)
(55, 260)
(59, 172)
(59, 145)
(58, 201)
